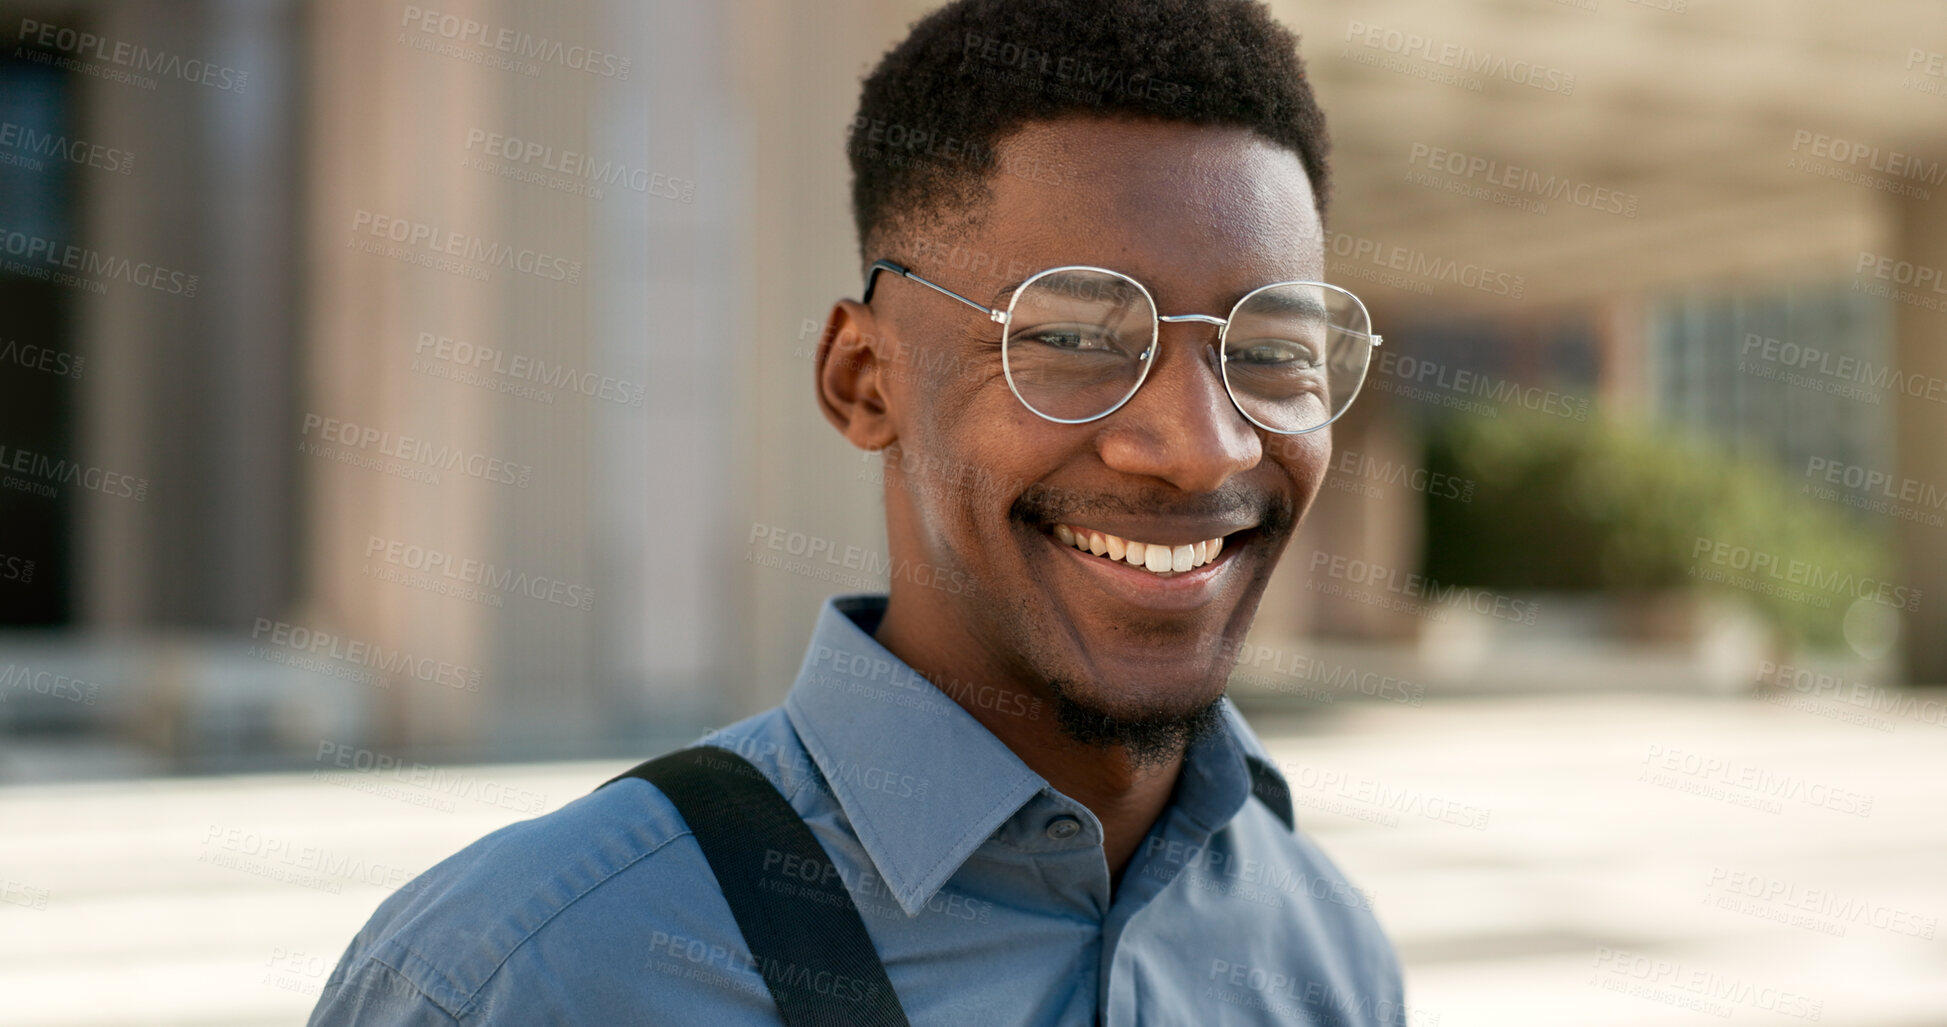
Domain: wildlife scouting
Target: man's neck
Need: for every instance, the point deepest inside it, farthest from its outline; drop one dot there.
(1125, 797)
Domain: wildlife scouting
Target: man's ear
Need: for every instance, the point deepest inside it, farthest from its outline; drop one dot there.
(851, 376)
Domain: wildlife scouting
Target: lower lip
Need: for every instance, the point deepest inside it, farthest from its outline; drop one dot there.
(1185, 590)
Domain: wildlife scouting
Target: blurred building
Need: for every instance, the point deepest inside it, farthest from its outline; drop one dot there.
(433, 375)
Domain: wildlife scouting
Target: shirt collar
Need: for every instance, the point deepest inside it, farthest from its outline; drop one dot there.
(924, 783)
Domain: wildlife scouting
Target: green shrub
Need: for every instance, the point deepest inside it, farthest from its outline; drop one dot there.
(1612, 505)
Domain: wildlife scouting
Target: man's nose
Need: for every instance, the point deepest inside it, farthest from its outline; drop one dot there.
(1181, 426)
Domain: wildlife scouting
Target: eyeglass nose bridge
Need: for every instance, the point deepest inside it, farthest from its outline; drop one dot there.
(1223, 325)
(1205, 318)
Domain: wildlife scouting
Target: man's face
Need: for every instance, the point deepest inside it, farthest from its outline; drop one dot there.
(977, 483)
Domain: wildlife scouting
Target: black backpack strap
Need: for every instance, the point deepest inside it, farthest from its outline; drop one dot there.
(1272, 791)
(801, 926)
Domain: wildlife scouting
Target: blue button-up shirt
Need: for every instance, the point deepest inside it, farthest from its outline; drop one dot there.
(984, 889)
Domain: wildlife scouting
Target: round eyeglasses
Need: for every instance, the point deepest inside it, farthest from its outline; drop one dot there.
(1078, 341)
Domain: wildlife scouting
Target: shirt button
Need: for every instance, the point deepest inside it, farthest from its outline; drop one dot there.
(1063, 828)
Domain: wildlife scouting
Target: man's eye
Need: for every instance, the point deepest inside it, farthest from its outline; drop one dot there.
(1277, 354)
(1074, 338)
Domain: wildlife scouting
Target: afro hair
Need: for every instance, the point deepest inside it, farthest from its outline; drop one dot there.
(922, 146)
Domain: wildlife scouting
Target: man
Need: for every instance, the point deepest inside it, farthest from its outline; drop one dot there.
(1021, 763)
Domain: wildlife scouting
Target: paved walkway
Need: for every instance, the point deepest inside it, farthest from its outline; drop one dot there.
(1597, 860)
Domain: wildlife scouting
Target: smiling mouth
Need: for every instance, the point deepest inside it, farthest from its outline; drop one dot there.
(1164, 561)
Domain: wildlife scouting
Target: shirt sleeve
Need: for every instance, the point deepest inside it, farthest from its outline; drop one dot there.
(372, 994)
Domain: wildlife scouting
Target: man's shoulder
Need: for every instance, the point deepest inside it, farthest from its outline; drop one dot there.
(447, 933)
(1326, 906)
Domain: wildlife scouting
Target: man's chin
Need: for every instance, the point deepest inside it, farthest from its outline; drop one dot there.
(1151, 732)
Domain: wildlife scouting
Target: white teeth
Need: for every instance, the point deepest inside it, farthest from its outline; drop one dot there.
(1158, 559)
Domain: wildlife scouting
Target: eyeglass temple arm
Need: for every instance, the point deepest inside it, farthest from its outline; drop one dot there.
(872, 278)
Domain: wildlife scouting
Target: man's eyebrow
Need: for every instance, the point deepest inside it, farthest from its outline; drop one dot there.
(1074, 273)
(1282, 301)
(1286, 301)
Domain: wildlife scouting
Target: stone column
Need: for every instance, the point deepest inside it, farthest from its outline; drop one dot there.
(1920, 432)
